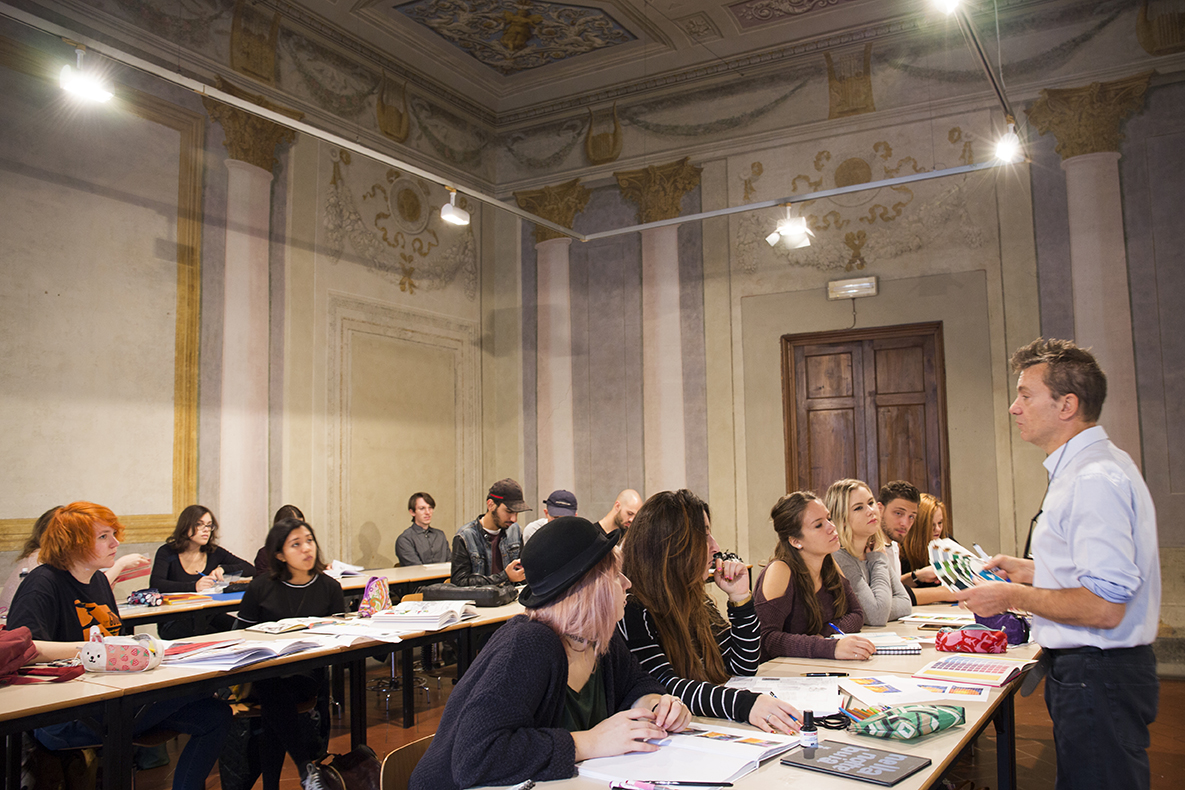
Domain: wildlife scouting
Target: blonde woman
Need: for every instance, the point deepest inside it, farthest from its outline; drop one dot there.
(862, 556)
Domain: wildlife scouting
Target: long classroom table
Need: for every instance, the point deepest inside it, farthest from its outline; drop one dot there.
(942, 748)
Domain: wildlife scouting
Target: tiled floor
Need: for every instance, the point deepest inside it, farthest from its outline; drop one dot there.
(1034, 740)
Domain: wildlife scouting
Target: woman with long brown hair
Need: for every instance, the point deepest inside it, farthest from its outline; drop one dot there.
(675, 630)
(916, 571)
(802, 597)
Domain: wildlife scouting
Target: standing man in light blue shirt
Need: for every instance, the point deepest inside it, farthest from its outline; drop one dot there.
(1093, 584)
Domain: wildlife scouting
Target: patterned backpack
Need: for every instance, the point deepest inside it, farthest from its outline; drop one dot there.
(376, 596)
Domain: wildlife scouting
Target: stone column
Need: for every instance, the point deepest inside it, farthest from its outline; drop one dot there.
(1086, 123)
(659, 192)
(554, 408)
(243, 450)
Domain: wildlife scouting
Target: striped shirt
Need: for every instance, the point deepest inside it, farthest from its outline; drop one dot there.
(740, 647)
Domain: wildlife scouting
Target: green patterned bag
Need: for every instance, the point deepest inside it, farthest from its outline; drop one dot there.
(906, 722)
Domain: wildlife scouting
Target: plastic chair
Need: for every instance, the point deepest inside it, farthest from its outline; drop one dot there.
(398, 765)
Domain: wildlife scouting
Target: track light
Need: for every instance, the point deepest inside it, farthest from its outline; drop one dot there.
(83, 85)
(792, 230)
(450, 213)
(1008, 147)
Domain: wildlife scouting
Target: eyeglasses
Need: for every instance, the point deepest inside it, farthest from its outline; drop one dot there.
(204, 528)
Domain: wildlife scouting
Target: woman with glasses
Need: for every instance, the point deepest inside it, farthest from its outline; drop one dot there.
(192, 561)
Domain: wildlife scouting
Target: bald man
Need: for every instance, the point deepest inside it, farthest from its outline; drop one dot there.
(623, 512)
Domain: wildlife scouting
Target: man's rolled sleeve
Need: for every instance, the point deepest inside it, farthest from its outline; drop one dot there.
(1104, 548)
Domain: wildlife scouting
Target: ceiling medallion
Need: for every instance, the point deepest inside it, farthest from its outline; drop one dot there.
(516, 35)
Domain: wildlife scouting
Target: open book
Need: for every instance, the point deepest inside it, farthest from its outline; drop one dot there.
(236, 654)
(698, 754)
(290, 624)
(426, 615)
(976, 669)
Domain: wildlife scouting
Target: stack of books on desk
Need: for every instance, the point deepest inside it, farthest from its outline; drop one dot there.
(234, 654)
(426, 615)
(976, 669)
(291, 624)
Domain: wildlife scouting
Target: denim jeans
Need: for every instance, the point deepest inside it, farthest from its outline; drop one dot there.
(1101, 703)
(204, 719)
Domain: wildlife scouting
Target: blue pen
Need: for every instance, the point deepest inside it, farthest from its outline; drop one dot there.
(836, 630)
(775, 696)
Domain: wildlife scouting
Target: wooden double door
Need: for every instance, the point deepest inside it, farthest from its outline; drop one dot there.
(869, 404)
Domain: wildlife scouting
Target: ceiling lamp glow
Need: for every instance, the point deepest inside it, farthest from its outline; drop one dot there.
(1008, 147)
(83, 85)
(947, 7)
(451, 214)
(792, 230)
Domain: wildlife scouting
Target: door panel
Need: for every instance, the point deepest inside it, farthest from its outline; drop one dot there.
(869, 404)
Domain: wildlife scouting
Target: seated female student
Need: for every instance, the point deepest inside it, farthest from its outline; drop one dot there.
(554, 686)
(802, 598)
(192, 561)
(917, 573)
(30, 559)
(263, 562)
(862, 556)
(675, 630)
(294, 587)
(62, 599)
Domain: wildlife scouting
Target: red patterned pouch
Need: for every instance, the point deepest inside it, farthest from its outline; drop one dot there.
(973, 638)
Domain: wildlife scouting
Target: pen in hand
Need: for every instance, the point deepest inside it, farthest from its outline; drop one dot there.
(835, 629)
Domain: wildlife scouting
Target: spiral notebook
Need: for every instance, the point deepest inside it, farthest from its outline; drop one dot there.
(890, 644)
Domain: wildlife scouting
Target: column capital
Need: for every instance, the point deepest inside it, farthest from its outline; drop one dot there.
(250, 138)
(560, 204)
(659, 189)
(1086, 120)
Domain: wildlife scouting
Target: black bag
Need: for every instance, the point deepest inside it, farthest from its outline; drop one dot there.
(485, 595)
(357, 770)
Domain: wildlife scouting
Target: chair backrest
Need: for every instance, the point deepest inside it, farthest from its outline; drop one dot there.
(412, 597)
(398, 765)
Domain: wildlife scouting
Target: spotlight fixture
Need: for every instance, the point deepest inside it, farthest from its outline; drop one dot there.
(947, 7)
(83, 85)
(1008, 147)
(792, 230)
(450, 213)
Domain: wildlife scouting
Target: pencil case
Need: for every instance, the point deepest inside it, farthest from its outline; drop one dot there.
(138, 653)
(906, 722)
(972, 638)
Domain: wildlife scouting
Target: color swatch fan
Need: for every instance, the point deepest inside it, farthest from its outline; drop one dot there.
(957, 568)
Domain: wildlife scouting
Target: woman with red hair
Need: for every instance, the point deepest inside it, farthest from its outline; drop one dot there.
(67, 596)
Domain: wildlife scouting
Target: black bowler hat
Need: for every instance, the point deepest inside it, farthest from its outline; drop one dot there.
(558, 556)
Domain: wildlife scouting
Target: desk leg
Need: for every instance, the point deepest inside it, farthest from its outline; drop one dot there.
(117, 745)
(464, 652)
(1005, 721)
(357, 703)
(409, 689)
(12, 761)
(337, 685)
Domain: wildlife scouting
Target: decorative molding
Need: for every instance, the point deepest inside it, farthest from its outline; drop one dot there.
(154, 527)
(754, 13)
(849, 87)
(393, 121)
(559, 204)
(1086, 120)
(253, 43)
(659, 190)
(605, 147)
(1163, 34)
(249, 138)
(350, 317)
(699, 28)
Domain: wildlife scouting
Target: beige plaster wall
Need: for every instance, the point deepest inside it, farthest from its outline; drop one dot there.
(382, 372)
(88, 300)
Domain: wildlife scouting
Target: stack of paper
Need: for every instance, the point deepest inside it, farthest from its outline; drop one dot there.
(820, 695)
(236, 654)
(951, 619)
(425, 615)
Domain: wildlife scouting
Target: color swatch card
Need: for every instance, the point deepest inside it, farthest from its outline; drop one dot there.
(957, 568)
